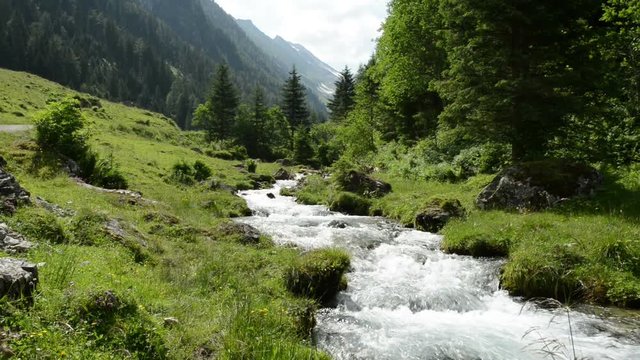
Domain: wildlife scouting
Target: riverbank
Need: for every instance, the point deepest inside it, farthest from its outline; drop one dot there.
(155, 275)
(586, 250)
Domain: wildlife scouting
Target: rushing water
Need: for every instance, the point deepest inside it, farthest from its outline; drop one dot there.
(408, 300)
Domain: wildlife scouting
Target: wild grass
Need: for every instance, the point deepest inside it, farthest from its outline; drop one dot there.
(229, 299)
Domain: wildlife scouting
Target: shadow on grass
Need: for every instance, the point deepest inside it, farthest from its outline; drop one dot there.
(619, 196)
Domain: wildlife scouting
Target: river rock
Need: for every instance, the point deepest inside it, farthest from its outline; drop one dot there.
(11, 193)
(271, 196)
(338, 224)
(362, 184)
(3, 162)
(283, 174)
(539, 185)
(12, 242)
(437, 213)
(242, 233)
(18, 278)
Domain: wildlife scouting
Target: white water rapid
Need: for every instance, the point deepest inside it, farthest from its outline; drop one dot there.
(408, 300)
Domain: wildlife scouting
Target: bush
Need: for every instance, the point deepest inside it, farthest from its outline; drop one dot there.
(60, 128)
(484, 159)
(182, 173)
(252, 166)
(318, 274)
(351, 204)
(101, 172)
(201, 171)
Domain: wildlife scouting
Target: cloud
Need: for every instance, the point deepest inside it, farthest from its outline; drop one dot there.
(339, 32)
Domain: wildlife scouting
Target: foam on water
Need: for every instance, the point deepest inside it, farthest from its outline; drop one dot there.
(408, 300)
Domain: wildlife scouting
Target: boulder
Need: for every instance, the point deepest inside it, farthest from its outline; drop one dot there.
(11, 193)
(437, 213)
(242, 233)
(271, 196)
(362, 184)
(283, 174)
(12, 242)
(3, 162)
(18, 279)
(539, 185)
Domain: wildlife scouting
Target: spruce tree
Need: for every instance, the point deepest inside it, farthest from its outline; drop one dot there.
(224, 102)
(294, 103)
(343, 99)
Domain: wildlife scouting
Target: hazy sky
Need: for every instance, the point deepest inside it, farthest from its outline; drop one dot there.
(339, 32)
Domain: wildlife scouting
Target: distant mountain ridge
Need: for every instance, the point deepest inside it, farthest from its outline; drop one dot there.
(156, 54)
(316, 75)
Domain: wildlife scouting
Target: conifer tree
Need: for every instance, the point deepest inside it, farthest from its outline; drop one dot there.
(343, 99)
(294, 103)
(224, 102)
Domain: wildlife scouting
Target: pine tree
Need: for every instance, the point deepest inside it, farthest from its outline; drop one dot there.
(343, 99)
(259, 121)
(224, 102)
(294, 103)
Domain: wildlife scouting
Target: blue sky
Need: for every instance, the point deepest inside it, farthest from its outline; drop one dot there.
(339, 32)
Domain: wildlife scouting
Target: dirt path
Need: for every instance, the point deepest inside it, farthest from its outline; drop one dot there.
(15, 128)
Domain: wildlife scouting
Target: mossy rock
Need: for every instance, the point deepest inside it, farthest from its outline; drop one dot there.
(437, 214)
(318, 274)
(538, 185)
(350, 204)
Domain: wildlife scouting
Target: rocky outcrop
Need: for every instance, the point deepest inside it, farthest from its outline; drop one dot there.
(53, 208)
(437, 213)
(11, 193)
(11, 242)
(283, 174)
(539, 185)
(18, 279)
(362, 184)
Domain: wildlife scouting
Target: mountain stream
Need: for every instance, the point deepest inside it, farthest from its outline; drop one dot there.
(406, 299)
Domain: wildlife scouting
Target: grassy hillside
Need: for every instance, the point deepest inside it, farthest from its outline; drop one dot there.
(109, 293)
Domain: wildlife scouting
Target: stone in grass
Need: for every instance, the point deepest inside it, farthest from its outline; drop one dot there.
(318, 274)
(11, 193)
(242, 233)
(18, 279)
(12, 242)
(359, 183)
(437, 213)
(538, 185)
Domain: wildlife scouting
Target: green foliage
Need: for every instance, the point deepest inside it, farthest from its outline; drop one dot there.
(61, 128)
(201, 171)
(41, 225)
(302, 151)
(489, 158)
(251, 165)
(318, 274)
(101, 172)
(294, 106)
(343, 100)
